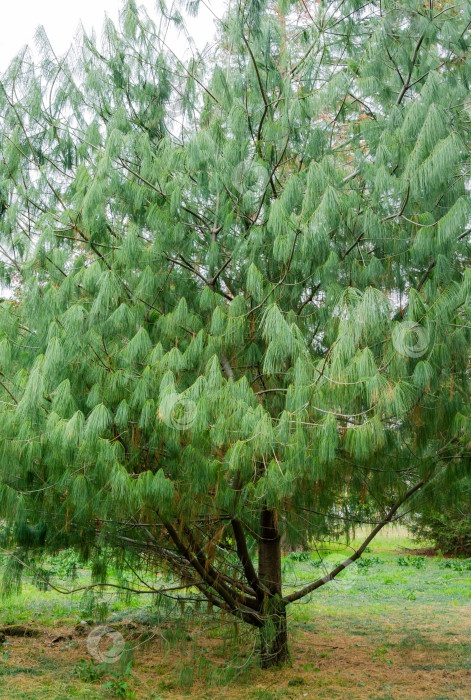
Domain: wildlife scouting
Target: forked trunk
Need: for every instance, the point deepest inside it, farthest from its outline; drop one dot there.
(273, 635)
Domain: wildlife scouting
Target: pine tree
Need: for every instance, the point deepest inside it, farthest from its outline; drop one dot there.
(240, 301)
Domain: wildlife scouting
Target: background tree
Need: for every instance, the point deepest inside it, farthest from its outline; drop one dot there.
(241, 301)
(446, 521)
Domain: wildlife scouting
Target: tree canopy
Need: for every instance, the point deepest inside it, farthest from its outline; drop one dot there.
(240, 302)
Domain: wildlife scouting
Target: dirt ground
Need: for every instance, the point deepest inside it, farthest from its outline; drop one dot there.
(389, 656)
(400, 628)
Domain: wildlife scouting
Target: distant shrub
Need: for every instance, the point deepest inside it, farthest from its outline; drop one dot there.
(298, 556)
(410, 560)
(459, 565)
(367, 562)
(447, 525)
(65, 564)
(316, 563)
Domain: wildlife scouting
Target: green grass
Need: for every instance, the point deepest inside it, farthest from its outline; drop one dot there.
(374, 634)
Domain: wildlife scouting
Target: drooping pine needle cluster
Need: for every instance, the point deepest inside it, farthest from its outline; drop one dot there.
(238, 284)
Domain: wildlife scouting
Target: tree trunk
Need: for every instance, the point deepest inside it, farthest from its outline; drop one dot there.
(273, 635)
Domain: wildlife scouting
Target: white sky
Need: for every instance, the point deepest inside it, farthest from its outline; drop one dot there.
(61, 19)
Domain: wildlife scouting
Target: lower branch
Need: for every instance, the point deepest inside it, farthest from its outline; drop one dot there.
(356, 555)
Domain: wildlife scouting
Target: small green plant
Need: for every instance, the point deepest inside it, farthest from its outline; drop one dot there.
(64, 564)
(298, 680)
(417, 562)
(298, 556)
(367, 562)
(295, 557)
(458, 565)
(447, 564)
(380, 654)
(411, 560)
(316, 563)
(88, 670)
(119, 685)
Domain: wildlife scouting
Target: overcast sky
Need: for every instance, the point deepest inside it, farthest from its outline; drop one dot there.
(61, 19)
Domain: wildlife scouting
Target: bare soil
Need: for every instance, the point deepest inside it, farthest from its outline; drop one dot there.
(396, 657)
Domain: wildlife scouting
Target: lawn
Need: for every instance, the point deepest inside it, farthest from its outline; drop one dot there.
(396, 626)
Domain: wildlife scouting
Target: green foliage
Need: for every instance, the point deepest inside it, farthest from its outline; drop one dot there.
(298, 556)
(119, 685)
(256, 299)
(458, 565)
(445, 522)
(64, 565)
(450, 532)
(89, 670)
(366, 563)
(411, 560)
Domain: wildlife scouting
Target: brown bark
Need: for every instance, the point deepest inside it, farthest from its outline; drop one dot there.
(273, 634)
(269, 554)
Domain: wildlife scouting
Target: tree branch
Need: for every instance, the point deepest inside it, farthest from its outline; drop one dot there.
(356, 555)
